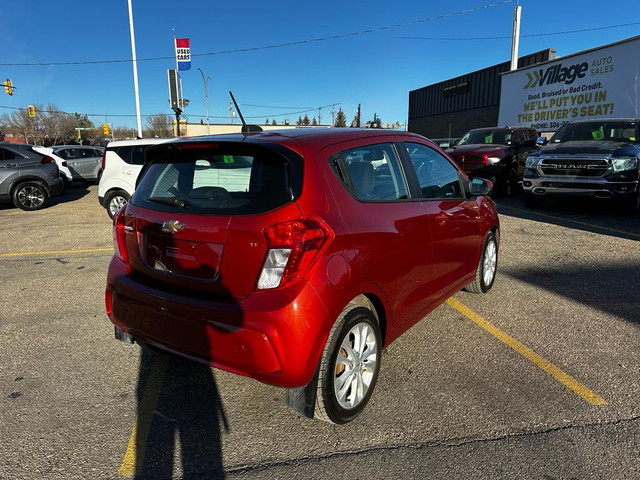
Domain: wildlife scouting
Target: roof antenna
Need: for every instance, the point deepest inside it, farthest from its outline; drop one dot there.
(245, 128)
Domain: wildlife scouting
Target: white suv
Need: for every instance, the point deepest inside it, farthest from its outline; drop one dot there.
(121, 165)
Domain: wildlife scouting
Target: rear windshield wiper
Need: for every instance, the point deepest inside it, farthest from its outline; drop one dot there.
(174, 202)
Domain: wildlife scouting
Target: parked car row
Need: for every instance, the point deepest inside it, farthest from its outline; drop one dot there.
(29, 174)
(27, 178)
(589, 159)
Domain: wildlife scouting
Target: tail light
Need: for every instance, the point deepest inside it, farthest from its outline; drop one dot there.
(46, 159)
(104, 158)
(120, 230)
(293, 247)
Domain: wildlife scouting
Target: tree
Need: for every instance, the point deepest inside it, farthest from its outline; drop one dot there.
(299, 121)
(314, 122)
(159, 125)
(273, 122)
(375, 123)
(305, 120)
(341, 119)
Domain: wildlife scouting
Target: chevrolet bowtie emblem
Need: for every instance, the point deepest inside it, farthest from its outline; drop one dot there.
(172, 226)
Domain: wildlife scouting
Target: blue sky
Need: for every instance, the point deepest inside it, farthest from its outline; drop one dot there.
(376, 69)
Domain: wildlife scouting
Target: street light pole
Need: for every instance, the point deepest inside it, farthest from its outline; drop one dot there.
(206, 97)
(135, 69)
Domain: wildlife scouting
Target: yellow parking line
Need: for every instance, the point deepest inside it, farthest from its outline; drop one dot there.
(564, 378)
(56, 252)
(134, 456)
(584, 224)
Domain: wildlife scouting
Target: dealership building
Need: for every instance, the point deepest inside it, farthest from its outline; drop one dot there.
(450, 108)
(543, 93)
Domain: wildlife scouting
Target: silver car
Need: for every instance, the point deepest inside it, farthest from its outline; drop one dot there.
(84, 162)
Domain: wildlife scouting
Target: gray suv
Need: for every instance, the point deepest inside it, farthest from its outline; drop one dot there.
(27, 178)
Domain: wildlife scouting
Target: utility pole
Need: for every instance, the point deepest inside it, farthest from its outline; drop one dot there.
(358, 121)
(135, 69)
(206, 98)
(515, 40)
(319, 115)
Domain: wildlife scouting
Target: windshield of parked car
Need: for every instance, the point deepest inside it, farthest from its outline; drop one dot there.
(596, 132)
(494, 137)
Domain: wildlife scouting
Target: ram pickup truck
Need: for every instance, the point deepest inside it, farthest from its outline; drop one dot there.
(497, 154)
(587, 158)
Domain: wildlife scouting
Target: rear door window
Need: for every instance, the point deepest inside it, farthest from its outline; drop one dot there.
(221, 180)
(374, 172)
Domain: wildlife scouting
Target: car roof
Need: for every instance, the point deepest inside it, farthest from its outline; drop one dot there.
(317, 136)
(58, 147)
(592, 120)
(505, 128)
(138, 141)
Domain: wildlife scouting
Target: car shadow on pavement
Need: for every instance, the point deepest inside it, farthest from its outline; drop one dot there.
(610, 288)
(180, 415)
(70, 193)
(590, 215)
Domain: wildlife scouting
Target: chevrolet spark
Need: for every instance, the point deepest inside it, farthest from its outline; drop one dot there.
(294, 257)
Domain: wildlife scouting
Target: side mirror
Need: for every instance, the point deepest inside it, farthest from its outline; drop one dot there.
(481, 186)
(541, 141)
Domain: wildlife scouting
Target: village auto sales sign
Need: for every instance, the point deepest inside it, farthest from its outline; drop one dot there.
(601, 83)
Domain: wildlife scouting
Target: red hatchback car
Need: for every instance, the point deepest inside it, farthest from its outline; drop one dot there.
(294, 257)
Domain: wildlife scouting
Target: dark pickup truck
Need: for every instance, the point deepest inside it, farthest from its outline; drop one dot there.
(588, 158)
(497, 154)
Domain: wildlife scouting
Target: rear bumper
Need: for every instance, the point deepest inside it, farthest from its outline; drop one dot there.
(101, 201)
(275, 337)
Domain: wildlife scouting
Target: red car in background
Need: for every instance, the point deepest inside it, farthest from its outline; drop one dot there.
(294, 257)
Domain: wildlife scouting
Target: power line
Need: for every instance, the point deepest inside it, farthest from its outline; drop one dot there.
(277, 45)
(125, 115)
(528, 35)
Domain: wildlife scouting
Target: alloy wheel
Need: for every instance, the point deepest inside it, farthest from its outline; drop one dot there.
(355, 365)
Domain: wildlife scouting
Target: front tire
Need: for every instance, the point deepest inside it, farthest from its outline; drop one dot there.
(30, 196)
(487, 267)
(511, 186)
(349, 366)
(115, 201)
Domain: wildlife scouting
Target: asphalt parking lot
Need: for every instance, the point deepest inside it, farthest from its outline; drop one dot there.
(538, 379)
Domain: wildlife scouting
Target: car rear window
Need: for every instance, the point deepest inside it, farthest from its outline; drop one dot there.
(217, 179)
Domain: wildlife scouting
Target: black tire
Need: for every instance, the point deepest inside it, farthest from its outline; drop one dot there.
(115, 200)
(532, 201)
(30, 196)
(487, 266)
(358, 378)
(511, 186)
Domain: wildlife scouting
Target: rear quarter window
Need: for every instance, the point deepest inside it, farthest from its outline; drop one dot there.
(226, 179)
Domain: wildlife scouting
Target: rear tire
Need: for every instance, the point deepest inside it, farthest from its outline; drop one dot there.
(115, 200)
(349, 366)
(487, 266)
(29, 196)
